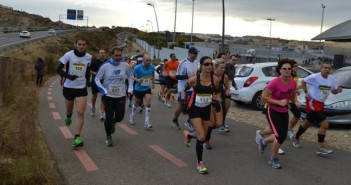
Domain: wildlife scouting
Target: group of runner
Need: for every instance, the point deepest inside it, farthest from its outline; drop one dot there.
(203, 93)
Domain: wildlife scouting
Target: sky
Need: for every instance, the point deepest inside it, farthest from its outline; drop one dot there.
(294, 19)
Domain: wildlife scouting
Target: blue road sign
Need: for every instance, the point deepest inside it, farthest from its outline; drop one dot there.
(71, 14)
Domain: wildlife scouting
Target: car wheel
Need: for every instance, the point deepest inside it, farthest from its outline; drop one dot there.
(257, 102)
(238, 102)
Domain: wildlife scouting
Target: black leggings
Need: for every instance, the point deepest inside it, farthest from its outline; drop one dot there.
(278, 121)
(39, 79)
(114, 108)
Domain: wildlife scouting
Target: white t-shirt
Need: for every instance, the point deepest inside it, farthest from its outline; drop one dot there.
(186, 68)
(113, 78)
(77, 66)
(319, 87)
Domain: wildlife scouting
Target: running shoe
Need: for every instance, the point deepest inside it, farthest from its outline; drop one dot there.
(291, 135)
(159, 96)
(207, 145)
(223, 129)
(131, 119)
(187, 140)
(258, 136)
(108, 141)
(281, 151)
(169, 105)
(147, 125)
(189, 125)
(175, 125)
(130, 104)
(261, 146)
(77, 142)
(68, 121)
(296, 142)
(163, 100)
(113, 128)
(140, 110)
(201, 168)
(324, 151)
(93, 111)
(226, 127)
(102, 116)
(274, 162)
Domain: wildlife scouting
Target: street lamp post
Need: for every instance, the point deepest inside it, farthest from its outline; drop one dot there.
(154, 56)
(223, 26)
(158, 30)
(270, 38)
(175, 22)
(320, 41)
(192, 24)
(151, 25)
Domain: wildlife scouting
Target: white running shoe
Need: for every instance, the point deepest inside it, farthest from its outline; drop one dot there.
(131, 119)
(147, 125)
(169, 105)
(280, 151)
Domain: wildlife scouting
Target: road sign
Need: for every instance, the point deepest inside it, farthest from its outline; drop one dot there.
(80, 15)
(71, 14)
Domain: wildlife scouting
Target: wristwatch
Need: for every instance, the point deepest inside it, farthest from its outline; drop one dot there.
(305, 91)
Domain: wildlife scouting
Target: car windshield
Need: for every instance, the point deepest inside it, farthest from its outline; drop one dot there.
(244, 71)
(343, 77)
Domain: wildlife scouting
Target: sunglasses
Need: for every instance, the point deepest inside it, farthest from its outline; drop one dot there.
(286, 68)
(296, 65)
(207, 64)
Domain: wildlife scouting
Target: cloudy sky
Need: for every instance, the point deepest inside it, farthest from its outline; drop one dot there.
(294, 19)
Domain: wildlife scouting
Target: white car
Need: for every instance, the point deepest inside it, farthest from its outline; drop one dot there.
(52, 31)
(251, 79)
(24, 34)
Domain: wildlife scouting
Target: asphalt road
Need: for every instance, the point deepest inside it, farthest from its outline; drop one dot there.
(159, 156)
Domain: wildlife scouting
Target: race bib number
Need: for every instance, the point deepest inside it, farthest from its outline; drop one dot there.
(146, 81)
(115, 90)
(324, 92)
(172, 73)
(78, 69)
(203, 100)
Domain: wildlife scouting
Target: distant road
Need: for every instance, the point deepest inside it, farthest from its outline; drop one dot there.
(7, 39)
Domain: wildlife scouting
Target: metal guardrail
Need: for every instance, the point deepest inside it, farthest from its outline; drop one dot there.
(17, 46)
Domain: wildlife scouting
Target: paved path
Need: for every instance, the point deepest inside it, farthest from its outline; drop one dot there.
(160, 157)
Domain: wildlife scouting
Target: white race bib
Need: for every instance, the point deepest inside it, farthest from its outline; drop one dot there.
(78, 69)
(115, 90)
(146, 81)
(172, 73)
(203, 100)
(323, 92)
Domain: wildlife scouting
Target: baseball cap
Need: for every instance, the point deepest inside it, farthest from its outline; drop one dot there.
(193, 50)
(139, 58)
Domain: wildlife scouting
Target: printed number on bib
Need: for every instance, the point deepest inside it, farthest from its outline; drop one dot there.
(172, 73)
(324, 92)
(146, 81)
(78, 69)
(203, 100)
(115, 90)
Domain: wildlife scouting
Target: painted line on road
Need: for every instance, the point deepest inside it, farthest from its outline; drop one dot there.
(49, 97)
(127, 129)
(88, 164)
(65, 132)
(56, 115)
(49, 93)
(52, 105)
(173, 159)
(49, 89)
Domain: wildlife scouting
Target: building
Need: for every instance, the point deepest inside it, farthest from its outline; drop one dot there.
(337, 44)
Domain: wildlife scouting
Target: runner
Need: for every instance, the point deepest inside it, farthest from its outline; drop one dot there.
(144, 78)
(320, 86)
(224, 94)
(162, 79)
(113, 74)
(94, 67)
(186, 69)
(277, 94)
(170, 70)
(205, 86)
(77, 77)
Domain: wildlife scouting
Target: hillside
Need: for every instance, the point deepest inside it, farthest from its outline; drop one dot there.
(14, 20)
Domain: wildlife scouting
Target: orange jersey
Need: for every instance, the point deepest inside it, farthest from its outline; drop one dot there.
(170, 68)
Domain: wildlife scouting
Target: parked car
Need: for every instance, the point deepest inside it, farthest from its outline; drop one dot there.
(336, 107)
(251, 79)
(24, 34)
(52, 31)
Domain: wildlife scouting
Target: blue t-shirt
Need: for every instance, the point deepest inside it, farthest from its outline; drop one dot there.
(140, 71)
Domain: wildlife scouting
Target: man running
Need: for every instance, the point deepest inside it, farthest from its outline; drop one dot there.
(186, 69)
(170, 70)
(113, 74)
(77, 76)
(144, 78)
(320, 86)
(94, 67)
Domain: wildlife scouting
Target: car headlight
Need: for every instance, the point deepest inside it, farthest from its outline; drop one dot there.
(339, 105)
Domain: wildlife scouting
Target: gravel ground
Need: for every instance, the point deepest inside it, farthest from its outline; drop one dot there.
(338, 136)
